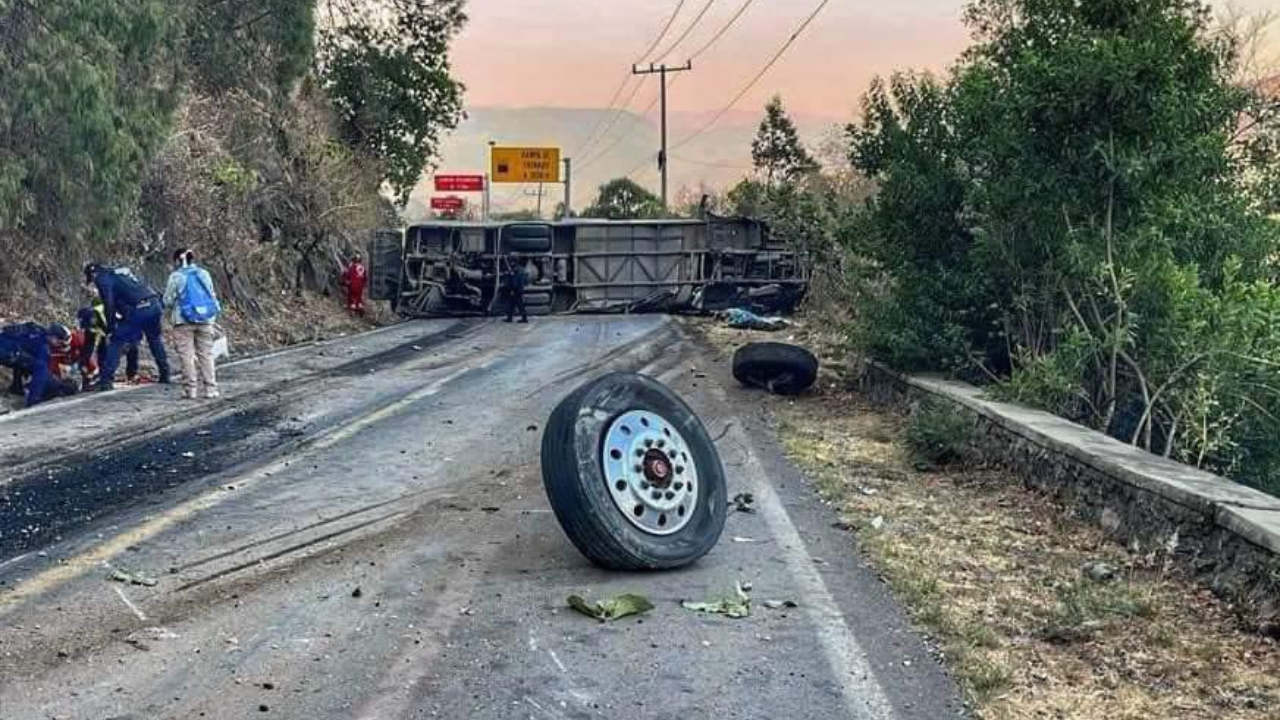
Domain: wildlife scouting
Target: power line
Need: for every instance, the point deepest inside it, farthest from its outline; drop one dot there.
(704, 163)
(724, 29)
(687, 31)
(623, 135)
(592, 155)
(721, 32)
(768, 66)
(666, 28)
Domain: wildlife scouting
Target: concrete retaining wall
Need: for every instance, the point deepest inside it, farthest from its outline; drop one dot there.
(1228, 535)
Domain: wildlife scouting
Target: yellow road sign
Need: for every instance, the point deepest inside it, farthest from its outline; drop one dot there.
(525, 165)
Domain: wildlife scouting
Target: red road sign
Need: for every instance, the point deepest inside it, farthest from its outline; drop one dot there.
(448, 203)
(459, 183)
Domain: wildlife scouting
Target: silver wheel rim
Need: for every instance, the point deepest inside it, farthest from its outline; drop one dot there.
(651, 474)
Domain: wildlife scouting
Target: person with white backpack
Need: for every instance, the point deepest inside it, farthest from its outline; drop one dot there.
(194, 310)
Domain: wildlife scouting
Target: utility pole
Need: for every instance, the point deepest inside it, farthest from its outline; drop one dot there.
(486, 205)
(661, 71)
(568, 188)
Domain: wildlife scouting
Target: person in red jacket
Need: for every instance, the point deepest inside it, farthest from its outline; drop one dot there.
(66, 353)
(355, 277)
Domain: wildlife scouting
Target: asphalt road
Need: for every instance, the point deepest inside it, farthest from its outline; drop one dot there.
(359, 531)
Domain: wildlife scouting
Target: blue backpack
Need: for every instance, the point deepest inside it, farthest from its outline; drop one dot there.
(197, 303)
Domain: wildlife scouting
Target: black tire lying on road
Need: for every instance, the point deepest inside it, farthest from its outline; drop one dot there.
(633, 476)
(777, 367)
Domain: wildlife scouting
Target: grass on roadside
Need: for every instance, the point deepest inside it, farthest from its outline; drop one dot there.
(1037, 615)
(1000, 578)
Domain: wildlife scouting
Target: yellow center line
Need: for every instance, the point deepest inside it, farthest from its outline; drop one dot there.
(74, 567)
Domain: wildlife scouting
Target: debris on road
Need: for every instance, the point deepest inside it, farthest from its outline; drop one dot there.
(740, 539)
(132, 578)
(741, 319)
(781, 604)
(614, 608)
(358, 592)
(742, 502)
(738, 606)
(189, 455)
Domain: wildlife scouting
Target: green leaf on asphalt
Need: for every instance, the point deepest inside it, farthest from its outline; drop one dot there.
(738, 606)
(616, 607)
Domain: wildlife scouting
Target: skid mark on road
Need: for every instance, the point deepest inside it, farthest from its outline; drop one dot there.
(77, 566)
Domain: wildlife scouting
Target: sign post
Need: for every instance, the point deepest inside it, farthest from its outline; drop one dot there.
(459, 183)
(448, 203)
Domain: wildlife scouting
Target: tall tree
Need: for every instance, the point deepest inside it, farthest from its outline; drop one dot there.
(385, 65)
(1069, 209)
(777, 151)
(624, 199)
(87, 93)
(262, 45)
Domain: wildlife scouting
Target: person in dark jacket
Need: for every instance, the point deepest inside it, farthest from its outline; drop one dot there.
(25, 349)
(93, 323)
(140, 312)
(514, 285)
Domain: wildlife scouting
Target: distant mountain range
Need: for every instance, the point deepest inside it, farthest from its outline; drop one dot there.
(718, 158)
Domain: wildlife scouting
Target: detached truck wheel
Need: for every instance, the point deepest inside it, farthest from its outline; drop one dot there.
(633, 476)
(777, 367)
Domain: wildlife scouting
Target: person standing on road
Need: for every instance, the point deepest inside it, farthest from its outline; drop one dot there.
(516, 280)
(140, 311)
(355, 277)
(193, 309)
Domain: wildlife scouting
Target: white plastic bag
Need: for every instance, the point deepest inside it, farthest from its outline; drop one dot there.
(221, 347)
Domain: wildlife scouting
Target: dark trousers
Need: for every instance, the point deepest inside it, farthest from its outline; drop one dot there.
(136, 324)
(34, 371)
(515, 302)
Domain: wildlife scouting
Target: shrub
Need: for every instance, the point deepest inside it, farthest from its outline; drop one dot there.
(937, 432)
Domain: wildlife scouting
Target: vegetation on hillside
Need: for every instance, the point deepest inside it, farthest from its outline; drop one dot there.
(1083, 211)
(262, 132)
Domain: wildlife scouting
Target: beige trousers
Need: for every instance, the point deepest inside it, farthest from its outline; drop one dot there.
(195, 349)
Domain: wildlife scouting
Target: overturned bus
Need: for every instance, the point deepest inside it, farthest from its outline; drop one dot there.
(581, 265)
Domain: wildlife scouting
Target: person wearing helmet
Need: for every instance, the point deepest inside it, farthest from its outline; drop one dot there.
(140, 313)
(93, 355)
(25, 349)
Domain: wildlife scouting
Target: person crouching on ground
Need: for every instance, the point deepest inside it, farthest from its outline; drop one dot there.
(26, 349)
(193, 309)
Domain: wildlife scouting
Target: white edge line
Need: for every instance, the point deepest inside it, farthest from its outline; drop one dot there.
(136, 610)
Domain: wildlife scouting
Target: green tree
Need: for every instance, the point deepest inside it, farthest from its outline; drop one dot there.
(249, 44)
(87, 93)
(1069, 209)
(385, 66)
(624, 199)
(777, 152)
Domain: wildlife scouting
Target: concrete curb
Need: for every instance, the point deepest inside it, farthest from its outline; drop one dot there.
(1227, 534)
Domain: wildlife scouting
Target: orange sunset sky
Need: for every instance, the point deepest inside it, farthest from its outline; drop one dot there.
(573, 53)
